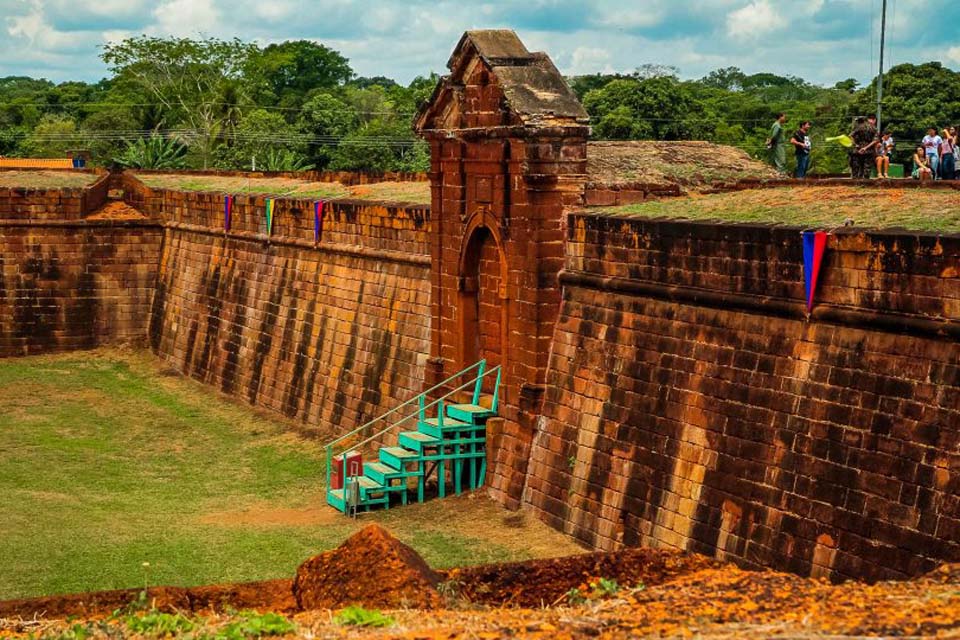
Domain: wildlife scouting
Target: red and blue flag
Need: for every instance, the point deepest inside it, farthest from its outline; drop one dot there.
(814, 245)
(318, 208)
(227, 212)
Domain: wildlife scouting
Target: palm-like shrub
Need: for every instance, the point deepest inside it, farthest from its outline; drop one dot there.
(284, 160)
(153, 152)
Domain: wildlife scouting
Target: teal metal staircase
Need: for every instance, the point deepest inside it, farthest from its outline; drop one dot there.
(447, 441)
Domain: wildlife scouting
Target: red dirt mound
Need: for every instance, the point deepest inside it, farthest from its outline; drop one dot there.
(272, 595)
(535, 583)
(371, 568)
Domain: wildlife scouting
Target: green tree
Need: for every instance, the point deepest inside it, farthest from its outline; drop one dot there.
(103, 131)
(728, 79)
(660, 108)
(258, 133)
(380, 145)
(53, 137)
(285, 73)
(190, 79)
(324, 121)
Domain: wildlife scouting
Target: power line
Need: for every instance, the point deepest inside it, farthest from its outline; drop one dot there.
(245, 107)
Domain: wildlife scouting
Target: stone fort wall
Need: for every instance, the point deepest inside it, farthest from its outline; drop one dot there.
(691, 404)
(68, 281)
(329, 333)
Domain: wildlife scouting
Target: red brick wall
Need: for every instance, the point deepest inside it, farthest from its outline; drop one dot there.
(74, 284)
(691, 404)
(347, 178)
(41, 204)
(330, 334)
(513, 189)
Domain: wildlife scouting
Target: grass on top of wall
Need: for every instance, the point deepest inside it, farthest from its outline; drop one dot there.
(108, 461)
(399, 192)
(931, 210)
(40, 179)
(237, 185)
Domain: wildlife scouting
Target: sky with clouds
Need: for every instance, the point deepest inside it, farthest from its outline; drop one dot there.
(821, 40)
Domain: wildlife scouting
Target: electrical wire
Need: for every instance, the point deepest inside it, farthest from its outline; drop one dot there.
(252, 107)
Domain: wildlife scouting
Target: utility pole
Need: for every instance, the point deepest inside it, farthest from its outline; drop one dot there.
(883, 34)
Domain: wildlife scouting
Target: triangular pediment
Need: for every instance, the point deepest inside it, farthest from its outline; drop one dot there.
(495, 81)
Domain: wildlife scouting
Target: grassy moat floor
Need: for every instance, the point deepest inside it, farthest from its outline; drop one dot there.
(109, 461)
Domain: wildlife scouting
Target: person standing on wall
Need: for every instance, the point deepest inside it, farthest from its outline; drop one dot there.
(802, 146)
(948, 148)
(778, 151)
(865, 141)
(931, 146)
(884, 152)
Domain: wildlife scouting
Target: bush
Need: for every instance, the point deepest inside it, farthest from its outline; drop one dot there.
(359, 617)
(154, 152)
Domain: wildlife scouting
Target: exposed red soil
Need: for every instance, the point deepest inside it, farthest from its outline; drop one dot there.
(543, 582)
(116, 210)
(375, 569)
(663, 594)
(371, 568)
(273, 595)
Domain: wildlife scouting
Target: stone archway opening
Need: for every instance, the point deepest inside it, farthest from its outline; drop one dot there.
(482, 300)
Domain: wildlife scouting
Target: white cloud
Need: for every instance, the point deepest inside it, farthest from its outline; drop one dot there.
(953, 54)
(586, 60)
(185, 17)
(754, 20)
(274, 10)
(39, 34)
(626, 18)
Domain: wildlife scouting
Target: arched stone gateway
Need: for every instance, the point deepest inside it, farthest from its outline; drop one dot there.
(508, 146)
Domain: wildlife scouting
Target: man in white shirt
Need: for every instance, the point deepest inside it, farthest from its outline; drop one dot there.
(931, 144)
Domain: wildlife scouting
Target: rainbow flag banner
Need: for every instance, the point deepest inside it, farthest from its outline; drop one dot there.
(270, 203)
(227, 212)
(814, 246)
(318, 208)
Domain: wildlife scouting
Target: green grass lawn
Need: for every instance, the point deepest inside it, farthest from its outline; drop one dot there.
(933, 210)
(106, 463)
(276, 187)
(401, 192)
(45, 179)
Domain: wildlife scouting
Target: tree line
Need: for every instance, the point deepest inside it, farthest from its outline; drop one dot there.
(210, 103)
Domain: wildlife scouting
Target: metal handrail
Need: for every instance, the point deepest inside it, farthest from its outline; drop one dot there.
(400, 406)
(421, 409)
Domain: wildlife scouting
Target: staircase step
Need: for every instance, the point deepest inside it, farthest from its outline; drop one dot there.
(431, 426)
(397, 456)
(418, 441)
(337, 499)
(470, 413)
(466, 397)
(369, 485)
(381, 472)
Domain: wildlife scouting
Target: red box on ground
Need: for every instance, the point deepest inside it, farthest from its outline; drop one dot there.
(345, 465)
